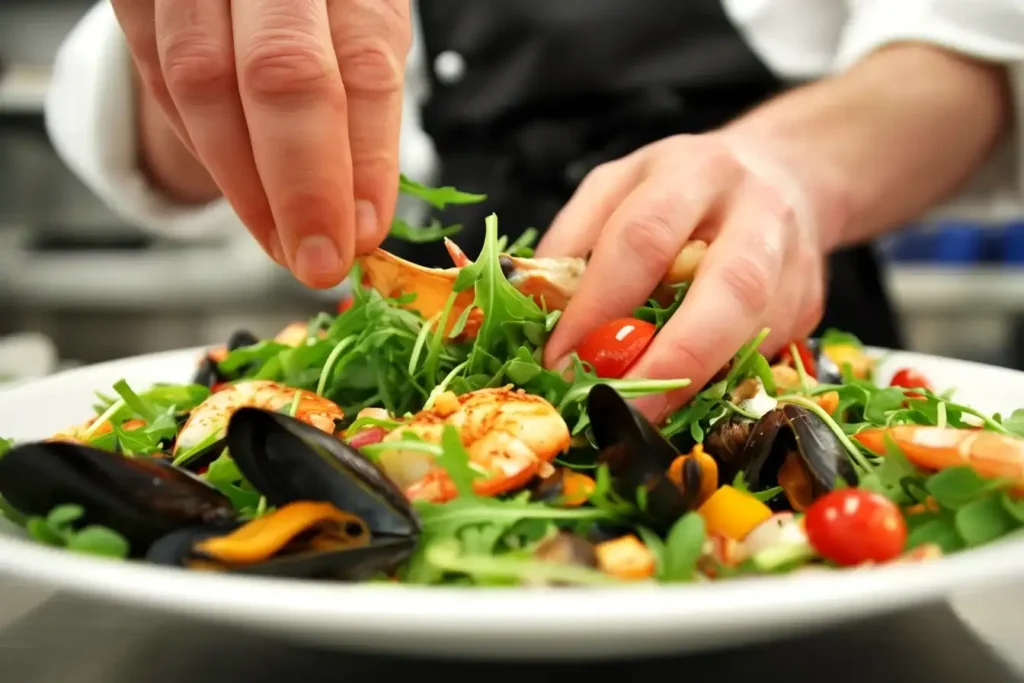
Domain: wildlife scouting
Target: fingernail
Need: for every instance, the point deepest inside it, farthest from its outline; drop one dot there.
(366, 222)
(318, 262)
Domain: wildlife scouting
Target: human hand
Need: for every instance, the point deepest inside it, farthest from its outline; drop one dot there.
(764, 266)
(294, 108)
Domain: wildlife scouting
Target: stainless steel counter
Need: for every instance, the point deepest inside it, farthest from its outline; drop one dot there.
(67, 640)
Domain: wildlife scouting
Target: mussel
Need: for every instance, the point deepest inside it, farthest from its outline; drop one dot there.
(140, 498)
(639, 457)
(790, 447)
(338, 515)
(208, 373)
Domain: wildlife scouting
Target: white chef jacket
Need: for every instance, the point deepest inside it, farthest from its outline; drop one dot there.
(89, 108)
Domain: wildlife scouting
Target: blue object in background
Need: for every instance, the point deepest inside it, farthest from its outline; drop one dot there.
(958, 242)
(1013, 243)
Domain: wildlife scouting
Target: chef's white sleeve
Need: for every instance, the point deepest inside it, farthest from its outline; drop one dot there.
(90, 117)
(990, 30)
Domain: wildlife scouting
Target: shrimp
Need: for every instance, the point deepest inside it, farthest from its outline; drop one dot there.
(212, 415)
(989, 454)
(510, 436)
(551, 282)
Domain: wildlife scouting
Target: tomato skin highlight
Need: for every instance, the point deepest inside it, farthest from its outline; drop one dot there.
(853, 526)
(613, 347)
(908, 378)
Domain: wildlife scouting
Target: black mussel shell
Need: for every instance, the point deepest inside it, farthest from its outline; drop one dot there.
(637, 456)
(207, 374)
(205, 456)
(382, 555)
(140, 498)
(794, 429)
(599, 532)
(287, 460)
(240, 339)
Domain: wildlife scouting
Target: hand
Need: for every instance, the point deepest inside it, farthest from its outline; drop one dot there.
(764, 266)
(293, 106)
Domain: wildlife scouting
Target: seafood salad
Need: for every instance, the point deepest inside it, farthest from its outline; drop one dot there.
(414, 436)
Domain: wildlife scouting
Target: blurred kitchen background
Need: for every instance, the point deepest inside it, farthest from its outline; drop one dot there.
(99, 289)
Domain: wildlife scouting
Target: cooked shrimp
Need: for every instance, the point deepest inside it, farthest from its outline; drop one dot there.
(293, 334)
(79, 432)
(212, 415)
(551, 282)
(990, 454)
(510, 436)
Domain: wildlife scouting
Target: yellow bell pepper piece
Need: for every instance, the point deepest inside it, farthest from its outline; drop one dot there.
(732, 513)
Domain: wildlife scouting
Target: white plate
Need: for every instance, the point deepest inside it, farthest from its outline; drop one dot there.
(537, 623)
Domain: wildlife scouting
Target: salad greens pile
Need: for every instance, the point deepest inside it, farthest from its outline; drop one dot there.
(379, 354)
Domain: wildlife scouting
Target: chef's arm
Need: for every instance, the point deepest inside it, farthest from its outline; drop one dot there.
(888, 138)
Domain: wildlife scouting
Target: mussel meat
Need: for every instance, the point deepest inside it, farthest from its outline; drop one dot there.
(140, 498)
(793, 448)
(639, 457)
(338, 516)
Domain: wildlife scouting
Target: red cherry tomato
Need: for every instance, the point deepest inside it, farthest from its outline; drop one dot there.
(613, 347)
(911, 379)
(806, 357)
(345, 304)
(853, 526)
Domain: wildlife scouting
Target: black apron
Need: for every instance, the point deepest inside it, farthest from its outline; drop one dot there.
(550, 89)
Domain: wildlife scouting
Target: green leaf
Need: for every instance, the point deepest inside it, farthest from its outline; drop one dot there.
(434, 232)
(62, 517)
(683, 547)
(438, 197)
(834, 337)
(455, 461)
(983, 521)
(42, 532)
(956, 487)
(99, 540)
(5, 445)
(939, 530)
(1014, 422)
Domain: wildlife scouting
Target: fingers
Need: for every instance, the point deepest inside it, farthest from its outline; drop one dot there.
(295, 106)
(723, 309)
(194, 44)
(577, 225)
(137, 20)
(372, 39)
(633, 253)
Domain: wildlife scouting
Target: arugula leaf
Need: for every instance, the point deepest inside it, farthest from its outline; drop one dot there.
(957, 487)
(58, 529)
(438, 197)
(983, 521)
(1014, 422)
(684, 547)
(434, 232)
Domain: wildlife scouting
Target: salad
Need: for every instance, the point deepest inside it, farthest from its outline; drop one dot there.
(414, 436)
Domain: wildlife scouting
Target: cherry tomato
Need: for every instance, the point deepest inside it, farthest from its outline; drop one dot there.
(911, 379)
(345, 304)
(613, 347)
(853, 526)
(806, 357)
